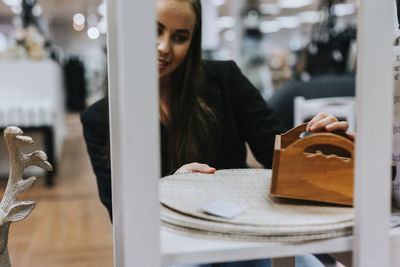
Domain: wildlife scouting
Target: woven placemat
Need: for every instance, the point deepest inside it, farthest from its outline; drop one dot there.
(193, 232)
(173, 217)
(266, 218)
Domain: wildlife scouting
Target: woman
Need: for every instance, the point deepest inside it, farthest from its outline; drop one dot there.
(208, 109)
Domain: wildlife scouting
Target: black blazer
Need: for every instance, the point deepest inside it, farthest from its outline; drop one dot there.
(242, 116)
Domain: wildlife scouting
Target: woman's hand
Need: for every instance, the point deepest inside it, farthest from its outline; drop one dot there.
(324, 121)
(195, 167)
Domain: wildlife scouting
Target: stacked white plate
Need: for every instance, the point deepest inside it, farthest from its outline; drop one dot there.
(265, 219)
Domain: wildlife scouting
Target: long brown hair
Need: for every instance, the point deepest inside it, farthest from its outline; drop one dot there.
(193, 122)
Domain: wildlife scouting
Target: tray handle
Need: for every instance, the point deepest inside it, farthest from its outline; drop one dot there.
(292, 135)
(323, 138)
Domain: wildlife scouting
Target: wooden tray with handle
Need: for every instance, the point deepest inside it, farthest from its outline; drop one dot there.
(318, 167)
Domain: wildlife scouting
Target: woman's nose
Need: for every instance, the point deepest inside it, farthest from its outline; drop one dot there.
(163, 45)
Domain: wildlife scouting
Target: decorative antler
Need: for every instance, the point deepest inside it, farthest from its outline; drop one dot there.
(10, 209)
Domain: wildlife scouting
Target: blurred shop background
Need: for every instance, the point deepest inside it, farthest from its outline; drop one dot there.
(277, 43)
(300, 55)
(289, 48)
(52, 65)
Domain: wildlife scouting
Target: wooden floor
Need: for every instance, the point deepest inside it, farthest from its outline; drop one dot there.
(69, 226)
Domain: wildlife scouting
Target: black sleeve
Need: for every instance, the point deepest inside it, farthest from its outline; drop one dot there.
(94, 132)
(257, 123)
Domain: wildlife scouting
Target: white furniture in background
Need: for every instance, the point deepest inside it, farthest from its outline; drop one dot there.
(32, 98)
(135, 151)
(342, 107)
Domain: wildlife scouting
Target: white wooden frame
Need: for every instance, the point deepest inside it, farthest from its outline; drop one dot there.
(374, 140)
(133, 96)
(135, 156)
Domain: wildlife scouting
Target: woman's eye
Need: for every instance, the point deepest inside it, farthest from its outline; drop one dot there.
(180, 38)
(159, 31)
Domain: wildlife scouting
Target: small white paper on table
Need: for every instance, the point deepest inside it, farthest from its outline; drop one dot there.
(222, 208)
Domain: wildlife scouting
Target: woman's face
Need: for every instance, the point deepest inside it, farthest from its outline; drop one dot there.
(176, 20)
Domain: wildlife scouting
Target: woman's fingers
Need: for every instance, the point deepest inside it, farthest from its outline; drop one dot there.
(195, 167)
(325, 121)
(319, 122)
(338, 126)
(351, 135)
(314, 120)
(198, 167)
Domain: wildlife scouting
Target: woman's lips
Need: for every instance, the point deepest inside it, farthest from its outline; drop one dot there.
(162, 64)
